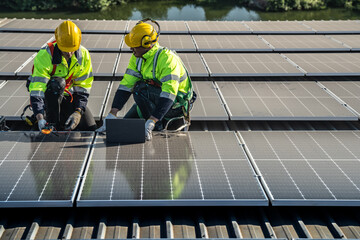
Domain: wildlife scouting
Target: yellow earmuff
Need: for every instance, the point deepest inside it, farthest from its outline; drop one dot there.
(153, 37)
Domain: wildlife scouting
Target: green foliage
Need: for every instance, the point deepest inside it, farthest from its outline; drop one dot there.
(35, 5)
(353, 4)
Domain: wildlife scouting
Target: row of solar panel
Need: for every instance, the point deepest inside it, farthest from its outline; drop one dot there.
(331, 101)
(212, 64)
(196, 43)
(192, 168)
(193, 27)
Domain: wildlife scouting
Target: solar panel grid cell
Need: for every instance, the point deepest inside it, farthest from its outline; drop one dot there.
(348, 92)
(248, 64)
(231, 43)
(327, 64)
(26, 41)
(49, 173)
(283, 43)
(280, 100)
(310, 170)
(172, 175)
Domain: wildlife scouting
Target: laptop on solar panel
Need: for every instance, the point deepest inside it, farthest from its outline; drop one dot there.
(129, 130)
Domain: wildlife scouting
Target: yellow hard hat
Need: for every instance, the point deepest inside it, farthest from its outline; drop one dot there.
(142, 34)
(68, 36)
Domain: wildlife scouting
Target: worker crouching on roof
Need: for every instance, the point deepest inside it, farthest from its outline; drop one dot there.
(156, 77)
(61, 81)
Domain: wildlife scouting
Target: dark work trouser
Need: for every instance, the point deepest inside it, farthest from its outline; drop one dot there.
(147, 97)
(59, 108)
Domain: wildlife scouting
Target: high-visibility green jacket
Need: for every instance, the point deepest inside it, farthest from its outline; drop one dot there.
(165, 68)
(79, 75)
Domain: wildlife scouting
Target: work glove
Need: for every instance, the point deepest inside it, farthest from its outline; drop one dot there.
(103, 127)
(149, 126)
(42, 124)
(72, 122)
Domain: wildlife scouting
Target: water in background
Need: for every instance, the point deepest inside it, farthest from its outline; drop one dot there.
(182, 10)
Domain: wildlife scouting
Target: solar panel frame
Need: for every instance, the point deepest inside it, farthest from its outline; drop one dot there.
(216, 27)
(166, 27)
(331, 27)
(179, 43)
(278, 27)
(246, 65)
(285, 101)
(24, 41)
(326, 64)
(230, 43)
(102, 26)
(143, 200)
(208, 105)
(266, 162)
(111, 43)
(122, 64)
(31, 25)
(13, 61)
(301, 43)
(26, 199)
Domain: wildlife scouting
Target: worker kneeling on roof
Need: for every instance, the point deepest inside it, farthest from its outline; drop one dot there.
(61, 81)
(156, 77)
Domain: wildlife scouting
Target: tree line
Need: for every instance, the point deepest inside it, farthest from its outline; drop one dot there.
(96, 5)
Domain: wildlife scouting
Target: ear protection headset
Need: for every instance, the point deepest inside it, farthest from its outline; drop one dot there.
(146, 40)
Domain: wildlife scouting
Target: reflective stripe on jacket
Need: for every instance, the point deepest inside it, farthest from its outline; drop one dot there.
(169, 73)
(80, 69)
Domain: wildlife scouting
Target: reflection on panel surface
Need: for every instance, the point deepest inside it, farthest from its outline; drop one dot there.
(39, 170)
(194, 168)
(308, 167)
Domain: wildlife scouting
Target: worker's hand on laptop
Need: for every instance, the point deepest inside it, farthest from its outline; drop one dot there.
(41, 124)
(103, 127)
(149, 126)
(73, 121)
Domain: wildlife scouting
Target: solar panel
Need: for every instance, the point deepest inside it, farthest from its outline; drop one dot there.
(14, 97)
(102, 26)
(281, 101)
(208, 105)
(211, 27)
(348, 92)
(249, 64)
(26, 69)
(32, 25)
(192, 168)
(23, 41)
(97, 96)
(194, 64)
(122, 64)
(39, 170)
(327, 64)
(276, 27)
(329, 27)
(307, 167)
(102, 42)
(167, 27)
(127, 106)
(300, 43)
(179, 43)
(11, 61)
(230, 43)
(103, 64)
(352, 41)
